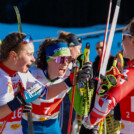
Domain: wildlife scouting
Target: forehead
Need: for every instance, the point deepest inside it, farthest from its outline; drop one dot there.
(99, 44)
(27, 47)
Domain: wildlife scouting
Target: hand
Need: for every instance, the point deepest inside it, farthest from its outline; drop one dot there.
(82, 75)
(111, 79)
(27, 108)
(108, 81)
(85, 73)
(19, 99)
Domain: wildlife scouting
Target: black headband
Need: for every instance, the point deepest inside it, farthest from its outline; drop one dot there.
(74, 41)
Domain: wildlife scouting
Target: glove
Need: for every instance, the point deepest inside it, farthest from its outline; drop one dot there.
(82, 75)
(27, 108)
(111, 79)
(108, 82)
(85, 73)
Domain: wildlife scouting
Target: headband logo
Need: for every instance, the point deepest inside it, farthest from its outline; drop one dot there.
(71, 44)
(60, 49)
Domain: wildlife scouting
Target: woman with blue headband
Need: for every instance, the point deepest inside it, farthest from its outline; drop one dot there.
(74, 43)
(53, 59)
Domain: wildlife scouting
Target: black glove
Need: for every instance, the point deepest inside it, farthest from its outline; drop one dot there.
(27, 108)
(86, 72)
(19, 99)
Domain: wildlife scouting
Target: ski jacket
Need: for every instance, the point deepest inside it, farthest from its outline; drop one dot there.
(46, 109)
(8, 87)
(123, 93)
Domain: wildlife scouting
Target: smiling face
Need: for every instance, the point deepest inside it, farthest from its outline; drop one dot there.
(24, 58)
(57, 69)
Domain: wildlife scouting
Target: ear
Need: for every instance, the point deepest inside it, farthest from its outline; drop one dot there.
(12, 55)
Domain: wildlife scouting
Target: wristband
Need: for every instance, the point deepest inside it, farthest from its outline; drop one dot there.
(14, 104)
(68, 82)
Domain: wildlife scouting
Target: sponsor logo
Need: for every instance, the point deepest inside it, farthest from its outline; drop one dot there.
(122, 126)
(15, 126)
(1, 126)
(59, 49)
(10, 89)
(43, 118)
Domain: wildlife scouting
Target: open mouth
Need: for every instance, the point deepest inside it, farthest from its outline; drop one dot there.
(62, 71)
(28, 66)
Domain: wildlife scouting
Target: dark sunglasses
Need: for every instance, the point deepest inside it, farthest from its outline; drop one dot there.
(97, 48)
(26, 40)
(61, 59)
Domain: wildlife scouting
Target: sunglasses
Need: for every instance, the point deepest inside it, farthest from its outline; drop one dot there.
(97, 48)
(26, 40)
(61, 59)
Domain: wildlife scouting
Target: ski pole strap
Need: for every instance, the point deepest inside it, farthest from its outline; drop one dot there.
(4, 124)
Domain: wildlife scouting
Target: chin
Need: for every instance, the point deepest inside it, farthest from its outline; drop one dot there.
(24, 70)
(61, 76)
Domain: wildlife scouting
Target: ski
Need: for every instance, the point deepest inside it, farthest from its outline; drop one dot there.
(18, 18)
(29, 114)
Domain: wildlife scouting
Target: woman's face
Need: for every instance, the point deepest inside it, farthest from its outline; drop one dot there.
(75, 51)
(24, 58)
(128, 46)
(57, 69)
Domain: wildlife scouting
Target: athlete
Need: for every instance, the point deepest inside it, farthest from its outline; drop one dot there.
(74, 43)
(122, 93)
(52, 61)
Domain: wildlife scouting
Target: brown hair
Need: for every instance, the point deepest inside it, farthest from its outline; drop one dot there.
(41, 55)
(65, 36)
(130, 26)
(9, 42)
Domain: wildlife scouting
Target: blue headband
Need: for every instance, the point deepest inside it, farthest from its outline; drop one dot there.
(57, 49)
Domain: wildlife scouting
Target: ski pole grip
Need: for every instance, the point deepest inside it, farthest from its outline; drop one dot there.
(75, 75)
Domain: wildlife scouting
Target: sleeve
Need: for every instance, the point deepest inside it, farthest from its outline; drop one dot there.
(6, 90)
(111, 98)
(78, 99)
(34, 89)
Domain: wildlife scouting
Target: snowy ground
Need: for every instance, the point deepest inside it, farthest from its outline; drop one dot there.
(40, 32)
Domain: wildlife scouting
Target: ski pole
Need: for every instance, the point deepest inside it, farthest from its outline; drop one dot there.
(75, 69)
(29, 114)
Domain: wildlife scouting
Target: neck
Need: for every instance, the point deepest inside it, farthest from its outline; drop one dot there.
(9, 65)
(51, 75)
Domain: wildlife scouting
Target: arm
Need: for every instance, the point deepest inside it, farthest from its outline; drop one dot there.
(4, 111)
(56, 89)
(110, 99)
